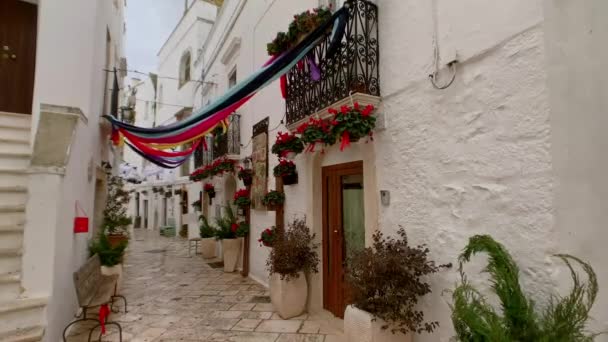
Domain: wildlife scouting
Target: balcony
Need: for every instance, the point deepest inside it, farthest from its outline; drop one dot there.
(354, 70)
(221, 145)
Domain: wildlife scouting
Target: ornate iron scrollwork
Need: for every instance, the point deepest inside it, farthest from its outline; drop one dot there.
(355, 68)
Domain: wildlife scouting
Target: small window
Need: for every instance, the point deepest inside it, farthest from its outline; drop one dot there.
(232, 79)
(184, 69)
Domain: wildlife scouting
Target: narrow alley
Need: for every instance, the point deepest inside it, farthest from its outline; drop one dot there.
(174, 297)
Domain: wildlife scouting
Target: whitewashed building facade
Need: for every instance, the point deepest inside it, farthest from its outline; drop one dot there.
(511, 147)
(53, 148)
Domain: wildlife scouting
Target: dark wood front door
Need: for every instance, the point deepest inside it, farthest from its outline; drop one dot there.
(343, 229)
(17, 55)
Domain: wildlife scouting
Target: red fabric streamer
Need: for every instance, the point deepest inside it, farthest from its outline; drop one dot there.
(104, 312)
(156, 152)
(345, 141)
(284, 86)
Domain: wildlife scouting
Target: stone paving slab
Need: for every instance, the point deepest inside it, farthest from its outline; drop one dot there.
(173, 297)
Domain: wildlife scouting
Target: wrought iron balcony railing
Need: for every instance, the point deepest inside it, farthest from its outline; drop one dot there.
(354, 69)
(220, 145)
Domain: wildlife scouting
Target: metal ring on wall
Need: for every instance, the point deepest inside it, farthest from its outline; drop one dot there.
(433, 77)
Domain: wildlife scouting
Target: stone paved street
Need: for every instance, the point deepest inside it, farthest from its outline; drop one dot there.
(173, 297)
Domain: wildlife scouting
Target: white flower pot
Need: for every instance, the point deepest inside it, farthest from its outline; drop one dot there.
(208, 247)
(359, 326)
(113, 270)
(231, 248)
(288, 297)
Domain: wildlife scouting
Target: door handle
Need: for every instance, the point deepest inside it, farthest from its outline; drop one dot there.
(14, 57)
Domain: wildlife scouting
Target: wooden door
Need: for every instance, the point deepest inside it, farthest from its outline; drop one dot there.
(343, 229)
(17, 55)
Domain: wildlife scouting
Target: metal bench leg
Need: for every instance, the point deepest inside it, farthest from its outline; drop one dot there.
(100, 335)
(123, 298)
(74, 322)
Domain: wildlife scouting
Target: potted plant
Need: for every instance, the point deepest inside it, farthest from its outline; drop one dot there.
(208, 241)
(563, 318)
(220, 166)
(210, 191)
(293, 255)
(352, 123)
(115, 219)
(197, 205)
(246, 175)
(273, 199)
(302, 25)
(268, 237)
(286, 169)
(387, 281)
(241, 198)
(227, 233)
(287, 145)
(316, 131)
(111, 256)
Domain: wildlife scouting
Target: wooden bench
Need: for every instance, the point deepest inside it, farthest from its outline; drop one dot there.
(94, 290)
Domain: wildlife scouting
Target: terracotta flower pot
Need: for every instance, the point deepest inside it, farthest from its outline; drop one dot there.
(288, 297)
(117, 239)
(360, 326)
(231, 248)
(291, 179)
(208, 246)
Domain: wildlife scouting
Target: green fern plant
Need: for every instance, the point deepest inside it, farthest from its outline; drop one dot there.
(563, 320)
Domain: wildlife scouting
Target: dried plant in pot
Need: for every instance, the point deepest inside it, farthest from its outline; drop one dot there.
(563, 318)
(273, 200)
(387, 282)
(294, 254)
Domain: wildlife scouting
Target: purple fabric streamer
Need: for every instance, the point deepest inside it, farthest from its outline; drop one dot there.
(315, 72)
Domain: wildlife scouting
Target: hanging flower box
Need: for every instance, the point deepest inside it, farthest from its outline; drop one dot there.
(268, 237)
(246, 175)
(273, 200)
(300, 27)
(352, 123)
(241, 198)
(209, 189)
(316, 131)
(286, 169)
(287, 145)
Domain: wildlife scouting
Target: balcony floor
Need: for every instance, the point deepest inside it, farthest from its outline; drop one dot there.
(173, 297)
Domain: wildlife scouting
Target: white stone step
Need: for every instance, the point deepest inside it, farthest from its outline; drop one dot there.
(11, 215)
(14, 160)
(10, 240)
(33, 334)
(13, 177)
(10, 287)
(15, 120)
(20, 133)
(10, 145)
(20, 313)
(13, 195)
(10, 261)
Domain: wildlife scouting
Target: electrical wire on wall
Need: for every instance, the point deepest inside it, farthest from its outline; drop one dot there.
(436, 56)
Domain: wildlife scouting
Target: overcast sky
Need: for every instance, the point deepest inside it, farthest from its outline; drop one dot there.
(149, 23)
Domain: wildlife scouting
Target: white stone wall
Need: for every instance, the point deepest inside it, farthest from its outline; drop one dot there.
(69, 62)
(513, 148)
